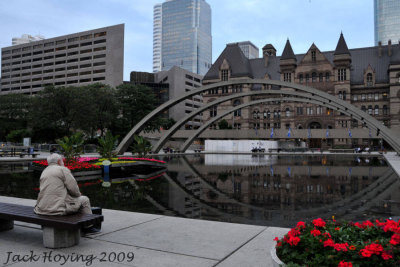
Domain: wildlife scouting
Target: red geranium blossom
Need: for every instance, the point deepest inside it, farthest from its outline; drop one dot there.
(319, 222)
(345, 264)
(315, 232)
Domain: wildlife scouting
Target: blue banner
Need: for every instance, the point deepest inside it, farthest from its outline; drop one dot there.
(350, 134)
(288, 133)
(272, 133)
(327, 132)
(309, 133)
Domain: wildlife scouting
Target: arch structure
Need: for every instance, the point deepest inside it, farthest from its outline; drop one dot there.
(307, 93)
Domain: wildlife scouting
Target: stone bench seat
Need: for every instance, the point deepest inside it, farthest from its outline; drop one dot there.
(58, 231)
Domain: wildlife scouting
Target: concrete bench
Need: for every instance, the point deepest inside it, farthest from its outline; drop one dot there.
(58, 231)
(341, 150)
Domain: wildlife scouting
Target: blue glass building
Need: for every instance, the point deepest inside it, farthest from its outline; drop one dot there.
(186, 35)
(387, 21)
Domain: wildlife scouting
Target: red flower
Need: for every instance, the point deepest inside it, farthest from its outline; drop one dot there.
(276, 239)
(391, 226)
(366, 253)
(337, 228)
(359, 225)
(319, 222)
(386, 256)
(395, 240)
(315, 232)
(345, 264)
(329, 243)
(368, 224)
(301, 225)
(340, 246)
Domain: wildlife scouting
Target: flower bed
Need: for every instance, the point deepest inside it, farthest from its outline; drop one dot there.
(72, 165)
(330, 243)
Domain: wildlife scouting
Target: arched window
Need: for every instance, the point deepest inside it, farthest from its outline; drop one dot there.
(265, 114)
(321, 77)
(268, 114)
(287, 111)
(256, 114)
(307, 78)
(301, 78)
(314, 77)
(376, 110)
(369, 79)
(385, 110)
(224, 75)
(279, 113)
(327, 76)
(213, 111)
(275, 114)
(344, 95)
(370, 109)
(340, 95)
(238, 112)
(363, 108)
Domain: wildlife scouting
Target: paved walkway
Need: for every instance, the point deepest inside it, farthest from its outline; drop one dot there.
(155, 240)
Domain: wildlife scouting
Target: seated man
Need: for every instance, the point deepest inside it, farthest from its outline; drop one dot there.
(59, 193)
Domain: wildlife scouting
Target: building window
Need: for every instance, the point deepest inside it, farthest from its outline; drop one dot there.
(385, 96)
(369, 79)
(370, 110)
(342, 75)
(256, 114)
(376, 96)
(319, 110)
(363, 97)
(313, 56)
(224, 75)
(385, 110)
(301, 78)
(309, 111)
(344, 95)
(213, 111)
(299, 110)
(355, 97)
(327, 76)
(363, 108)
(238, 112)
(307, 78)
(376, 110)
(321, 77)
(287, 112)
(340, 95)
(287, 77)
(314, 77)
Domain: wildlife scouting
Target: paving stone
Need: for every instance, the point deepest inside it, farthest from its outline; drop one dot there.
(257, 251)
(208, 239)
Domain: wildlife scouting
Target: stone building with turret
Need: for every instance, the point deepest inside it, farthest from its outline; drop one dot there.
(368, 78)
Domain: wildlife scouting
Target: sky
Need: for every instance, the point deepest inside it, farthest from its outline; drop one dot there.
(260, 21)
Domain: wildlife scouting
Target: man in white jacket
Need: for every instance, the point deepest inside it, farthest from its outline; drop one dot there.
(59, 192)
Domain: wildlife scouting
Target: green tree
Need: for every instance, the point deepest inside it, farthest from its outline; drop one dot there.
(72, 146)
(107, 145)
(17, 136)
(141, 146)
(223, 125)
(14, 110)
(135, 102)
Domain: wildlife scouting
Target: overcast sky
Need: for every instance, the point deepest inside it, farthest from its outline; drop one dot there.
(260, 21)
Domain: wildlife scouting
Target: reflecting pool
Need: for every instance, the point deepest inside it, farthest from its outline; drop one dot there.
(261, 190)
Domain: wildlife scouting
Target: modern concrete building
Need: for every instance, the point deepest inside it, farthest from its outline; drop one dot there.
(171, 84)
(249, 49)
(70, 60)
(368, 78)
(185, 37)
(387, 21)
(26, 38)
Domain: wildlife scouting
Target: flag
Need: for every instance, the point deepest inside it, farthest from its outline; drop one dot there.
(288, 133)
(350, 134)
(271, 170)
(350, 171)
(272, 133)
(255, 128)
(327, 132)
(370, 135)
(327, 171)
(309, 133)
(289, 171)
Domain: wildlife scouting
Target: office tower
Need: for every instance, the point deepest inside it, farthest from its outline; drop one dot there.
(185, 35)
(26, 38)
(170, 84)
(70, 60)
(157, 30)
(387, 21)
(249, 49)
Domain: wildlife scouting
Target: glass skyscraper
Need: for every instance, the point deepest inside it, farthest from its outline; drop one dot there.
(387, 21)
(185, 36)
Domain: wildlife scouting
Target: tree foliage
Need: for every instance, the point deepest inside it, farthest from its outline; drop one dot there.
(141, 146)
(14, 109)
(106, 146)
(72, 146)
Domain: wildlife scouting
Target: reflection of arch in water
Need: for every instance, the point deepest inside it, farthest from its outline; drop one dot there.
(371, 122)
(370, 193)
